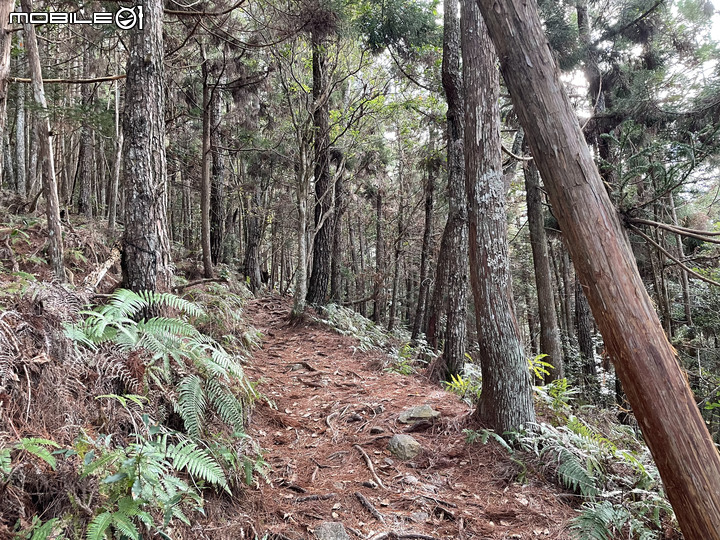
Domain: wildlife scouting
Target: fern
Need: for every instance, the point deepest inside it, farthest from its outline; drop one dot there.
(187, 455)
(191, 404)
(37, 448)
(99, 526)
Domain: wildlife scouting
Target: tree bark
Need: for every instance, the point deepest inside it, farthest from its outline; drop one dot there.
(379, 298)
(217, 182)
(322, 245)
(205, 186)
(455, 257)
(424, 288)
(6, 7)
(146, 246)
(506, 398)
(115, 186)
(20, 168)
(646, 363)
(550, 343)
(584, 335)
(49, 182)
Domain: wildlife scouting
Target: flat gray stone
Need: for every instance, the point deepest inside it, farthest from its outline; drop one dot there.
(417, 414)
(331, 530)
(404, 446)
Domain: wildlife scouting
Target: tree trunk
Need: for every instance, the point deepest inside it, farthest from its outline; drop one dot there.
(421, 307)
(506, 398)
(254, 231)
(456, 229)
(550, 343)
(115, 186)
(205, 186)
(83, 174)
(217, 186)
(20, 169)
(584, 335)
(322, 245)
(340, 209)
(146, 246)
(646, 363)
(379, 300)
(49, 182)
(6, 7)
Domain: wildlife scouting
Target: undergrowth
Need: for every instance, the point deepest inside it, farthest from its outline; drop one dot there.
(148, 413)
(404, 354)
(605, 464)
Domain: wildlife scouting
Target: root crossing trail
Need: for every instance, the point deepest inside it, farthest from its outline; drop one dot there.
(335, 410)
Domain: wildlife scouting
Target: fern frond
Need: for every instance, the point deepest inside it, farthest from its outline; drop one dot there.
(198, 462)
(98, 526)
(123, 523)
(228, 407)
(574, 475)
(36, 447)
(191, 403)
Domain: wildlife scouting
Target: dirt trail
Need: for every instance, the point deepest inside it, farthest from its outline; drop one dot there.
(333, 400)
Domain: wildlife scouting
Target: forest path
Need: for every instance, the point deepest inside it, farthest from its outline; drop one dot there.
(333, 399)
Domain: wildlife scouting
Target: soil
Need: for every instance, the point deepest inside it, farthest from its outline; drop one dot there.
(329, 404)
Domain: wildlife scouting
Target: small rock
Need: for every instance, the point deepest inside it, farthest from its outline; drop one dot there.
(419, 517)
(416, 414)
(375, 430)
(331, 530)
(410, 479)
(404, 446)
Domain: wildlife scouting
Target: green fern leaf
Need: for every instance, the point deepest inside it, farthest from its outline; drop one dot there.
(191, 404)
(98, 526)
(228, 407)
(123, 524)
(36, 447)
(187, 455)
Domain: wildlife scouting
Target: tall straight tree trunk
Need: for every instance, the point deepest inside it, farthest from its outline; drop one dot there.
(20, 168)
(340, 209)
(146, 245)
(49, 182)
(506, 398)
(584, 335)
(550, 343)
(646, 363)
(83, 175)
(217, 183)
(205, 186)
(379, 300)
(254, 231)
(117, 165)
(422, 302)
(322, 245)
(6, 6)
(455, 255)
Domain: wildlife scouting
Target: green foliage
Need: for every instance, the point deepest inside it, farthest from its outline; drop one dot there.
(176, 346)
(404, 26)
(468, 386)
(34, 446)
(538, 367)
(483, 436)
(148, 475)
(622, 486)
(402, 363)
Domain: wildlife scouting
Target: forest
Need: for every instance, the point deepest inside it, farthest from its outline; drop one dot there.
(359, 268)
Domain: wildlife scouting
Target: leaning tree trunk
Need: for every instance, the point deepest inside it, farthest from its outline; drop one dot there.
(322, 245)
(506, 398)
(146, 246)
(20, 168)
(49, 182)
(550, 343)
(645, 361)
